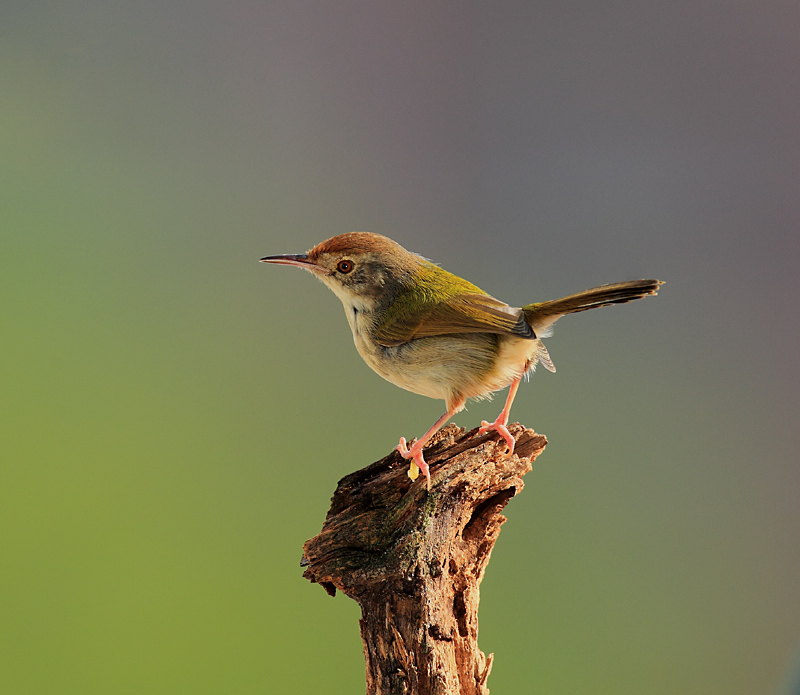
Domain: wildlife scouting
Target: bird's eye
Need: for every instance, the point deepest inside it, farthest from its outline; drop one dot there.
(344, 266)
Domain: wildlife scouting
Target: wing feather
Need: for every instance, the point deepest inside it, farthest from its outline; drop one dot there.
(461, 313)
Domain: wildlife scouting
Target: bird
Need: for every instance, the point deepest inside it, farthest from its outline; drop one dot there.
(433, 333)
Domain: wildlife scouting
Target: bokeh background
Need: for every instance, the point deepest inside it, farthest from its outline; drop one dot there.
(175, 416)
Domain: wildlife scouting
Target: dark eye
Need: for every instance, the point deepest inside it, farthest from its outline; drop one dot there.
(344, 266)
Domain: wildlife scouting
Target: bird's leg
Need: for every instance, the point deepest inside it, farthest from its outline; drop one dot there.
(499, 425)
(415, 452)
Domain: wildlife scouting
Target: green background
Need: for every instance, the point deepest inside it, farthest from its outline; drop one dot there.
(175, 415)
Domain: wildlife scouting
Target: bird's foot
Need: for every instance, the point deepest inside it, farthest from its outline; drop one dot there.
(417, 460)
(499, 426)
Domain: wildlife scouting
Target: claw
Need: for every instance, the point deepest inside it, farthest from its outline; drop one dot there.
(417, 460)
(500, 427)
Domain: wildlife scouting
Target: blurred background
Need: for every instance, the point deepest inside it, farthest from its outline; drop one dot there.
(175, 416)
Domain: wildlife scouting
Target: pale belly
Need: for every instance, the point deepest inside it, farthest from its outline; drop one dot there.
(451, 368)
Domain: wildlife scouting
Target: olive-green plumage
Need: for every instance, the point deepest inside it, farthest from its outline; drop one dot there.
(438, 303)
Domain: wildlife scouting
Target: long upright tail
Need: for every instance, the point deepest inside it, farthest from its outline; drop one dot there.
(542, 315)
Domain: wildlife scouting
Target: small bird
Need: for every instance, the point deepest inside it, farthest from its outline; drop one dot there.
(433, 333)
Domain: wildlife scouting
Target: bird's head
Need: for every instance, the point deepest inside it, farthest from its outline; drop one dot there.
(363, 269)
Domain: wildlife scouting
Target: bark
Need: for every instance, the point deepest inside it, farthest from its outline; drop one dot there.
(414, 559)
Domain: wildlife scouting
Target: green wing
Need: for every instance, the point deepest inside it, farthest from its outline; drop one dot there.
(440, 303)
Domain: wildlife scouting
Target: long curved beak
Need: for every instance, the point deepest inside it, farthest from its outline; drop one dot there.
(297, 259)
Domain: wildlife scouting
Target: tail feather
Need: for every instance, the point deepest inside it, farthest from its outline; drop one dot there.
(542, 315)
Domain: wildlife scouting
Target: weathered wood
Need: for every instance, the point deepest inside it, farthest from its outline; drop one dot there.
(414, 559)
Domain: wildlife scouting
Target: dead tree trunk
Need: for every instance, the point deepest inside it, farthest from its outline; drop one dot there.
(414, 559)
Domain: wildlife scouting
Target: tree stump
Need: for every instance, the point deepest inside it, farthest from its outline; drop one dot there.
(414, 559)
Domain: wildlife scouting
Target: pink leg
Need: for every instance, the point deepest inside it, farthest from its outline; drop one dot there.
(415, 452)
(499, 425)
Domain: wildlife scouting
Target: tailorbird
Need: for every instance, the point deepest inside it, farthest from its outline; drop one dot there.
(436, 334)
